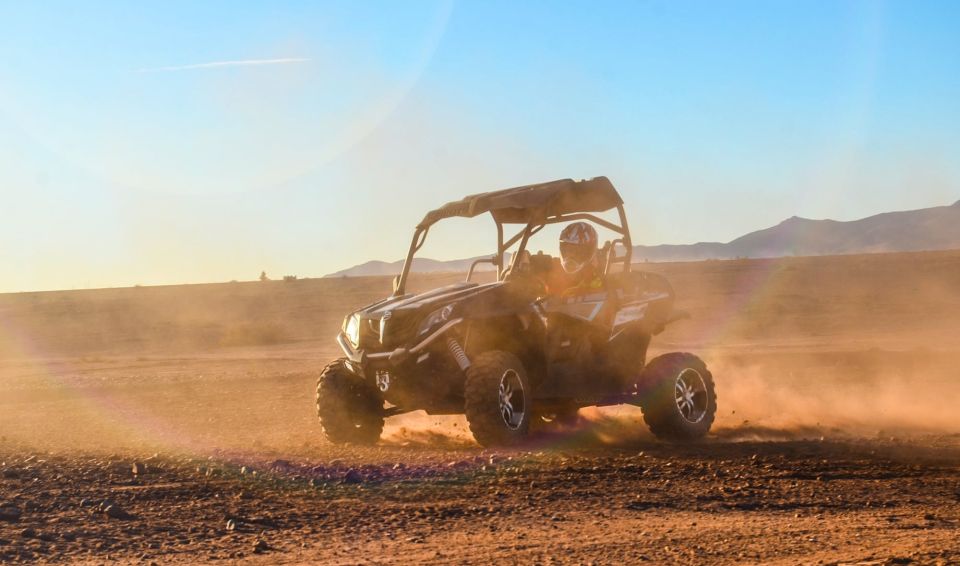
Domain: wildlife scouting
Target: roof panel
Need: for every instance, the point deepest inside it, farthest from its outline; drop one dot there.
(531, 203)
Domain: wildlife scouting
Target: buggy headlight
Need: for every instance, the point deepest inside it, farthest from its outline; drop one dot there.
(435, 318)
(351, 328)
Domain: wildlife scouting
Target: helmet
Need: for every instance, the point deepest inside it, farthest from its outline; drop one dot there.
(578, 246)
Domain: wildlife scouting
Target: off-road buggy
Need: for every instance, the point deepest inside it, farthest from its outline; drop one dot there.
(504, 353)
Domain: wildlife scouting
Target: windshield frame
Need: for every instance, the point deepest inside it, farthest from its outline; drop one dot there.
(523, 237)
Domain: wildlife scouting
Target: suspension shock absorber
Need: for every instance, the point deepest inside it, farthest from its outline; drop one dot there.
(458, 354)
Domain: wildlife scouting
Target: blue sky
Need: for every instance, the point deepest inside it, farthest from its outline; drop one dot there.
(185, 142)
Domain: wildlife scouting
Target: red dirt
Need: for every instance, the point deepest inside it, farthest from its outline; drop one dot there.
(836, 439)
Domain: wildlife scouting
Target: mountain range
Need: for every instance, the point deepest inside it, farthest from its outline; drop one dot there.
(927, 229)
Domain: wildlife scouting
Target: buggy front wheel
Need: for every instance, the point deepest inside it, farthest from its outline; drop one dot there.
(498, 400)
(350, 409)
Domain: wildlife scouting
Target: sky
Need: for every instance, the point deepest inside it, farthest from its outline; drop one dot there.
(179, 142)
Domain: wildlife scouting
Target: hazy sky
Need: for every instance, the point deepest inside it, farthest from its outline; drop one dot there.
(170, 142)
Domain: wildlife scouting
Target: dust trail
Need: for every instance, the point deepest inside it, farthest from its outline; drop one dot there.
(611, 426)
(854, 393)
(421, 429)
(769, 397)
(781, 397)
(758, 433)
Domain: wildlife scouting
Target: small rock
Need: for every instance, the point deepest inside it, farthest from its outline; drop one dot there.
(137, 468)
(116, 512)
(231, 525)
(261, 546)
(10, 514)
(352, 477)
(263, 521)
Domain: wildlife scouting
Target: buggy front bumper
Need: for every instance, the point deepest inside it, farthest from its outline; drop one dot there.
(360, 361)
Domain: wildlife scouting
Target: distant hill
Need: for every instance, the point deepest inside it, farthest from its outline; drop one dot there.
(927, 229)
(420, 265)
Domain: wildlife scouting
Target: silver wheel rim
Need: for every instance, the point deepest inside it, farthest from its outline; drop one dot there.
(513, 399)
(691, 395)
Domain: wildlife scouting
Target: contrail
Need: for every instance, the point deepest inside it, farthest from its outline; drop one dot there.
(217, 64)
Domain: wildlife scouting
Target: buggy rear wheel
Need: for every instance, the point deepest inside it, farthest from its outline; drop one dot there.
(678, 397)
(498, 399)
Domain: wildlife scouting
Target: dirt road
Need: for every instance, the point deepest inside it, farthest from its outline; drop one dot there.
(573, 501)
(836, 441)
(230, 466)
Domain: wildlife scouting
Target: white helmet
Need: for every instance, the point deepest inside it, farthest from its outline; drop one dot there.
(578, 246)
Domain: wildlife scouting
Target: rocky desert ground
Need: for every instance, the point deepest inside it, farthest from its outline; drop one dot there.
(175, 425)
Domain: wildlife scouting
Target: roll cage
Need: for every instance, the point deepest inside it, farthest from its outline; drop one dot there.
(534, 206)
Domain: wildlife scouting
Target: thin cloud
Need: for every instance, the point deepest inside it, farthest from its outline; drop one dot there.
(220, 64)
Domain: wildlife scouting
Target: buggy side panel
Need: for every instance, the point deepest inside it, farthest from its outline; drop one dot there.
(509, 320)
(645, 302)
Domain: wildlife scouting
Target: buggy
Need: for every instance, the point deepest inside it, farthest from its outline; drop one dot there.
(506, 354)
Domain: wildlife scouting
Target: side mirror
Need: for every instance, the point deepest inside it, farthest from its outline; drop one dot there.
(396, 284)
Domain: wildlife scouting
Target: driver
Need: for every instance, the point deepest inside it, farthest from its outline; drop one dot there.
(579, 265)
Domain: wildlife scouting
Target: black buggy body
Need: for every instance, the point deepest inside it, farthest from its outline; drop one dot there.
(504, 353)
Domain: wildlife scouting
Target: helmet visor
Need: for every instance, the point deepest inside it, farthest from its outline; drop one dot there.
(575, 256)
(580, 253)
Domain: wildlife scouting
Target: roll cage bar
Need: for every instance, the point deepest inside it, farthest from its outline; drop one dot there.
(531, 227)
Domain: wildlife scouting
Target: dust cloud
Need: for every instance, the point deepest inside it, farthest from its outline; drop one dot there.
(784, 397)
(421, 429)
(862, 393)
(233, 366)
